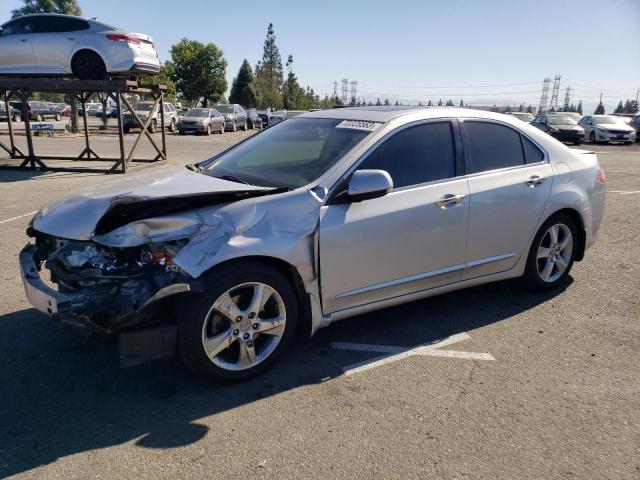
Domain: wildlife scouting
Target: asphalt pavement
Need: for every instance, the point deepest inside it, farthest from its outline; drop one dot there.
(542, 386)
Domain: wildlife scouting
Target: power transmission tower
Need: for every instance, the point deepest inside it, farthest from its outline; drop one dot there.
(345, 86)
(354, 91)
(544, 97)
(554, 94)
(335, 89)
(567, 97)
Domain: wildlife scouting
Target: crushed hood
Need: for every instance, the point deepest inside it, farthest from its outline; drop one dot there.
(96, 210)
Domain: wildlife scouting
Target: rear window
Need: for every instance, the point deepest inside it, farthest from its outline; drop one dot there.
(493, 146)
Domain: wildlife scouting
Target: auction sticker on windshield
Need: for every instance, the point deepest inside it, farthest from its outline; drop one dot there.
(359, 125)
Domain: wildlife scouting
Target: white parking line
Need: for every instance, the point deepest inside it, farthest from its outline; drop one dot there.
(398, 353)
(624, 192)
(18, 217)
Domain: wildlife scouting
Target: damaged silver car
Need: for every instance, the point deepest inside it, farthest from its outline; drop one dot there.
(322, 217)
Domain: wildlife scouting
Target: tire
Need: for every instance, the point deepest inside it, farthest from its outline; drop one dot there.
(172, 125)
(197, 319)
(39, 118)
(558, 259)
(592, 137)
(17, 118)
(244, 128)
(126, 129)
(57, 117)
(87, 65)
(222, 128)
(181, 132)
(577, 142)
(153, 126)
(628, 143)
(208, 131)
(235, 127)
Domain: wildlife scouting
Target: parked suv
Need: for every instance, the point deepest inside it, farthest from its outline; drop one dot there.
(234, 116)
(143, 109)
(607, 128)
(38, 111)
(15, 115)
(253, 119)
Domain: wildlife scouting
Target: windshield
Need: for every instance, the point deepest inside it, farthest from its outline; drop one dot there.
(224, 108)
(560, 120)
(197, 112)
(142, 107)
(290, 154)
(607, 120)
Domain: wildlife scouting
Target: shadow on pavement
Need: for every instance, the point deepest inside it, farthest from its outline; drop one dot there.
(60, 397)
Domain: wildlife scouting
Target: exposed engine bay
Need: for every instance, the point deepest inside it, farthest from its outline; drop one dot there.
(108, 285)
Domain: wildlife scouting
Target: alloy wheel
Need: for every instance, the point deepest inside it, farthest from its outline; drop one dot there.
(244, 326)
(554, 252)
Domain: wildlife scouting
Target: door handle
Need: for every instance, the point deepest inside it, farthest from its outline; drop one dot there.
(72, 38)
(24, 40)
(449, 199)
(534, 180)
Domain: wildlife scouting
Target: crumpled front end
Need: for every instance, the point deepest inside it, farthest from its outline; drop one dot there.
(97, 289)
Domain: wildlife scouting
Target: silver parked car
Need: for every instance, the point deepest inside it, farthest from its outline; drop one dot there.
(201, 120)
(143, 110)
(322, 217)
(234, 116)
(63, 45)
(607, 128)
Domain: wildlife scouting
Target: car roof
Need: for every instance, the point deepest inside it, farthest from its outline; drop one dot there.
(385, 114)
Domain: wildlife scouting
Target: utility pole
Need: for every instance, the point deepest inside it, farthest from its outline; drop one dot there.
(544, 97)
(567, 97)
(345, 84)
(554, 94)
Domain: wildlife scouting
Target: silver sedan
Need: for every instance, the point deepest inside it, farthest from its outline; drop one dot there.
(63, 45)
(322, 217)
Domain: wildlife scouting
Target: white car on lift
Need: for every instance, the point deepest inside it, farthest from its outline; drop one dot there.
(64, 45)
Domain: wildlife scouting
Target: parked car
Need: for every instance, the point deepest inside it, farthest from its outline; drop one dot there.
(66, 111)
(269, 236)
(234, 116)
(58, 107)
(94, 110)
(562, 127)
(523, 116)
(50, 44)
(635, 124)
(607, 128)
(110, 112)
(201, 120)
(38, 111)
(143, 109)
(14, 114)
(265, 117)
(253, 119)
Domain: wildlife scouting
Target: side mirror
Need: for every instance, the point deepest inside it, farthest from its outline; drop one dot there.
(368, 184)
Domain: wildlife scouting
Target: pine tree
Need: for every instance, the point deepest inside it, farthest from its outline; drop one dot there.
(599, 109)
(378, 102)
(461, 104)
(440, 102)
(429, 104)
(579, 107)
(529, 109)
(619, 108)
(269, 74)
(386, 102)
(243, 89)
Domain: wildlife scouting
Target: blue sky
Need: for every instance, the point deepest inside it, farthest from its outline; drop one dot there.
(489, 51)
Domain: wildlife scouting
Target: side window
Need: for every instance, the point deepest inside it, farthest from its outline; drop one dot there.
(493, 146)
(11, 28)
(416, 155)
(532, 153)
(21, 26)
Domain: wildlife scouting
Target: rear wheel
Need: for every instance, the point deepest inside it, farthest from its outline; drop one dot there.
(172, 125)
(592, 137)
(577, 142)
(552, 253)
(153, 126)
(39, 118)
(88, 65)
(222, 129)
(244, 319)
(234, 128)
(58, 117)
(208, 132)
(244, 127)
(181, 132)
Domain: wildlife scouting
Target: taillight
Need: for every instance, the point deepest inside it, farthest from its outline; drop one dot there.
(600, 178)
(123, 38)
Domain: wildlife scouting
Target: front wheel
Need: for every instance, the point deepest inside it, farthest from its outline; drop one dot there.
(592, 137)
(172, 126)
(153, 126)
(552, 253)
(208, 132)
(244, 319)
(58, 117)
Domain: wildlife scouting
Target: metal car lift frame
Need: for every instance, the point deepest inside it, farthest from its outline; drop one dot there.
(117, 89)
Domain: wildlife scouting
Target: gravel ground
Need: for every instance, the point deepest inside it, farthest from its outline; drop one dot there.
(561, 399)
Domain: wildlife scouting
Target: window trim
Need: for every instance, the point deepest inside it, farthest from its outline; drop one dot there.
(337, 188)
(467, 147)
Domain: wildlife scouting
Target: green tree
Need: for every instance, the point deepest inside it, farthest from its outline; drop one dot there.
(461, 104)
(630, 106)
(243, 90)
(579, 107)
(200, 71)
(386, 102)
(269, 74)
(164, 77)
(599, 109)
(440, 102)
(292, 92)
(429, 104)
(449, 103)
(67, 7)
(529, 109)
(619, 108)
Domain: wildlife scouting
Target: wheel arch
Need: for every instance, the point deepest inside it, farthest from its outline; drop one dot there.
(87, 49)
(292, 275)
(579, 222)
